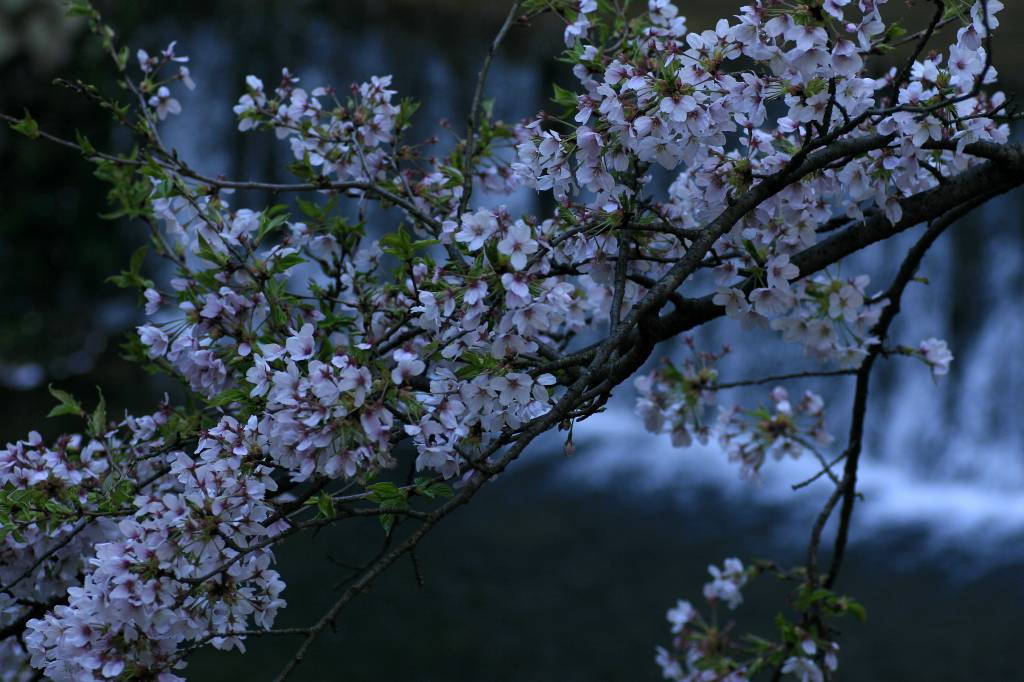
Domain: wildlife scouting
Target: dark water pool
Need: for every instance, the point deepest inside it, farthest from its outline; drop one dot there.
(539, 582)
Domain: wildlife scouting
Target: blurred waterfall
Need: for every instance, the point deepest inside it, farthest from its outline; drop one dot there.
(946, 457)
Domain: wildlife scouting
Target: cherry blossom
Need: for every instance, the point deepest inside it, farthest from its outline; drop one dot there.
(937, 354)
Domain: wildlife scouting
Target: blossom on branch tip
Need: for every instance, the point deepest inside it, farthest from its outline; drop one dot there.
(937, 355)
(163, 103)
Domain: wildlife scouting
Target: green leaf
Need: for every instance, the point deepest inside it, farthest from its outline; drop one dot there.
(233, 395)
(406, 108)
(424, 243)
(287, 262)
(120, 281)
(68, 404)
(303, 170)
(85, 144)
(433, 490)
(122, 58)
(385, 491)
(119, 491)
(324, 504)
(27, 126)
(399, 244)
(752, 250)
(476, 364)
(132, 277)
(81, 8)
(809, 597)
(272, 219)
(135, 264)
(98, 420)
(566, 98)
(310, 208)
(858, 610)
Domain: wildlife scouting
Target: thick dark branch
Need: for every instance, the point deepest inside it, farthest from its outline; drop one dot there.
(978, 184)
(747, 202)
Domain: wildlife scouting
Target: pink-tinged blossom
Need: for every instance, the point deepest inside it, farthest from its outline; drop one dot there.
(163, 103)
(154, 339)
(726, 583)
(476, 229)
(259, 376)
(733, 300)
(803, 669)
(679, 615)
(153, 301)
(780, 272)
(301, 345)
(517, 244)
(513, 388)
(407, 365)
(185, 76)
(937, 354)
(771, 302)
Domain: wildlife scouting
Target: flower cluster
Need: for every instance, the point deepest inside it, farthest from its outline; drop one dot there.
(180, 568)
(831, 318)
(803, 666)
(345, 141)
(707, 650)
(161, 101)
(685, 98)
(57, 503)
(788, 429)
(675, 399)
(699, 649)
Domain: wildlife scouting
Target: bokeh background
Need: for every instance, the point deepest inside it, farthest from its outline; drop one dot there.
(563, 569)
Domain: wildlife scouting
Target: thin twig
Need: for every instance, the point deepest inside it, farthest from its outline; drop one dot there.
(782, 377)
(473, 120)
(894, 295)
